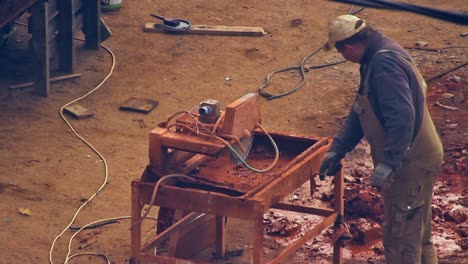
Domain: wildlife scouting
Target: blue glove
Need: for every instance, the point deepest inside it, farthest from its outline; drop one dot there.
(330, 165)
(381, 176)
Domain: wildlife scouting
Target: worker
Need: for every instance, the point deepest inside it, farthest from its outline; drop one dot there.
(390, 112)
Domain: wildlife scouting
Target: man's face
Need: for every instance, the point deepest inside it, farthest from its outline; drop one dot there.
(352, 53)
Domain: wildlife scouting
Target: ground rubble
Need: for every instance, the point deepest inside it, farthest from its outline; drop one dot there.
(364, 213)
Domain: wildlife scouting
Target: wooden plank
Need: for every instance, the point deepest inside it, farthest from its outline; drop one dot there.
(11, 9)
(52, 80)
(202, 201)
(211, 30)
(303, 209)
(66, 46)
(243, 114)
(39, 29)
(306, 237)
(91, 23)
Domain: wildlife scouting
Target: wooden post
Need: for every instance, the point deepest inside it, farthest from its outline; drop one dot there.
(135, 232)
(174, 238)
(220, 236)
(339, 207)
(258, 240)
(91, 23)
(66, 48)
(39, 29)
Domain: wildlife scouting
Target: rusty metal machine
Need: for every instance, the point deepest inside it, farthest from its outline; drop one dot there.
(208, 165)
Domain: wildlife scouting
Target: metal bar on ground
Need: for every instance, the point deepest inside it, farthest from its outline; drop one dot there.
(447, 71)
(303, 209)
(307, 236)
(52, 80)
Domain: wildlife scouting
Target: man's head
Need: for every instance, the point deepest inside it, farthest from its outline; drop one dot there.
(348, 34)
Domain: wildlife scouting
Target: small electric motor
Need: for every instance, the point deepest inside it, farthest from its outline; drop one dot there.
(209, 111)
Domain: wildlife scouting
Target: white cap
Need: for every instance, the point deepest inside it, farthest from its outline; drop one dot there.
(343, 27)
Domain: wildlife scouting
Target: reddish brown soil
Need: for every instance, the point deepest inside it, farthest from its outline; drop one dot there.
(48, 170)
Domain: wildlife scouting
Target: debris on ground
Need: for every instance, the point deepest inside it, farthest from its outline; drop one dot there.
(24, 211)
(78, 111)
(365, 231)
(139, 105)
(279, 225)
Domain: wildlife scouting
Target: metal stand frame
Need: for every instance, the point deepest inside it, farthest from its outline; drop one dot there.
(250, 206)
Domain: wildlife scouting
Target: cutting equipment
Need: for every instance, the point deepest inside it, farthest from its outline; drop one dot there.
(207, 165)
(204, 133)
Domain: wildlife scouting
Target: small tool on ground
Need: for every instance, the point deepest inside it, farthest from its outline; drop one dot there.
(173, 24)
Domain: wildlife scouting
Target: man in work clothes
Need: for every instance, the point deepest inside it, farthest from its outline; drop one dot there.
(391, 113)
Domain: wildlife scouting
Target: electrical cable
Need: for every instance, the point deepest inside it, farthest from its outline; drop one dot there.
(106, 170)
(225, 142)
(301, 71)
(300, 68)
(275, 160)
(155, 190)
(90, 254)
(97, 222)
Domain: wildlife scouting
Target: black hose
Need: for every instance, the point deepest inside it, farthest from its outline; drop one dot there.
(301, 71)
(270, 75)
(95, 225)
(451, 16)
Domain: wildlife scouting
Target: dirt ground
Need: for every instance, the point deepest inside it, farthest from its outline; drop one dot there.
(48, 170)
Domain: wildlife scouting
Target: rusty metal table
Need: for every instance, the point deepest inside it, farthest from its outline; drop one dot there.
(300, 162)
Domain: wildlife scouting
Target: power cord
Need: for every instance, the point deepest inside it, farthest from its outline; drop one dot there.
(155, 190)
(300, 68)
(106, 170)
(68, 257)
(275, 160)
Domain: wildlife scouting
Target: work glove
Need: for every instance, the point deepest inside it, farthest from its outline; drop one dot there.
(382, 176)
(330, 165)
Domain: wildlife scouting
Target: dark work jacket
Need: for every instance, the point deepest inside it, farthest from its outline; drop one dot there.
(398, 103)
